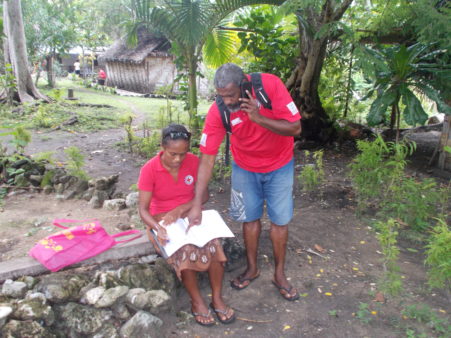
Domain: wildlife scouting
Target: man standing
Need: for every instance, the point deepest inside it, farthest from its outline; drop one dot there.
(77, 67)
(263, 166)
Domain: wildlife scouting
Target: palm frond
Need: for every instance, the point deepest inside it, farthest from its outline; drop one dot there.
(219, 47)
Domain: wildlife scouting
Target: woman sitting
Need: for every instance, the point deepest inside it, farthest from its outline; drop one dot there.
(166, 189)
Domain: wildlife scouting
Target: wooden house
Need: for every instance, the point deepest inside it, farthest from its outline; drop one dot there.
(141, 69)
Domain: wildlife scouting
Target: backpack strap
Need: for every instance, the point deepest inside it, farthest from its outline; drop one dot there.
(224, 112)
(256, 79)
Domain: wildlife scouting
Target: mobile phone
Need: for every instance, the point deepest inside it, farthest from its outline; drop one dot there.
(246, 85)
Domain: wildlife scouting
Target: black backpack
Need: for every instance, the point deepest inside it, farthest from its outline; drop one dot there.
(263, 98)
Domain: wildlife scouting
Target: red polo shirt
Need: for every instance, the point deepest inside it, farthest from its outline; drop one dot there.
(166, 192)
(254, 148)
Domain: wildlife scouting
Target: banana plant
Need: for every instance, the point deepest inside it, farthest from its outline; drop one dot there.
(401, 74)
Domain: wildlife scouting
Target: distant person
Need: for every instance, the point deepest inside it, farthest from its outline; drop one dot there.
(263, 167)
(77, 67)
(101, 77)
(166, 190)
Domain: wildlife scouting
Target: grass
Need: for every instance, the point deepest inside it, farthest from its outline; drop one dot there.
(92, 117)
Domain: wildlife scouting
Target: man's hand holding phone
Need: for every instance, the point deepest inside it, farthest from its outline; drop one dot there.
(248, 103)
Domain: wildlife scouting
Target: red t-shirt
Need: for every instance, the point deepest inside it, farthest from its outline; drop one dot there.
(166, 193)
(254, 148)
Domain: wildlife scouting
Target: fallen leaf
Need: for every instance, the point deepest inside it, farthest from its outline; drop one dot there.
(442, 311)
(328, 293)
(362, 242)
(304, 294)
(374, 313)
(355, 269)
(286, 327)
(379, 297)
(319, 248)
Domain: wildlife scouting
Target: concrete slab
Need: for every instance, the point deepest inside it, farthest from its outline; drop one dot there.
(28, 266)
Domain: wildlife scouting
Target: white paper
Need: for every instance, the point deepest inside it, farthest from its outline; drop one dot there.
(212, 226)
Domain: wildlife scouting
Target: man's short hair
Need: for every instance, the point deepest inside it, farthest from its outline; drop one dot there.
(228, 73)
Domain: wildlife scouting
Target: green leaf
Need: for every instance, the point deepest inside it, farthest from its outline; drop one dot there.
(379, 107)
(414, 112)
(434, 95)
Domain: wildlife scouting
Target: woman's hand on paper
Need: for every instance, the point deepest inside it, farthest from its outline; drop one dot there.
(162, 235)
(171, 217)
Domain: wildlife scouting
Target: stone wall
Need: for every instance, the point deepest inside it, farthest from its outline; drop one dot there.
(120, 302)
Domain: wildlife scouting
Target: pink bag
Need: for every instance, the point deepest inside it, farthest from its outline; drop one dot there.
(75, 244)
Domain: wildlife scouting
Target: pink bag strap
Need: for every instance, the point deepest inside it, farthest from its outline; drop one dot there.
(125, 233)
(57, 222)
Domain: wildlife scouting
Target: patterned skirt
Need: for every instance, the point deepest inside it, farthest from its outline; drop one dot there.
(191, 256)
(194, 258)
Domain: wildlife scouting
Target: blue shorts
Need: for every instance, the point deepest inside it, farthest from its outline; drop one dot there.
(250, 190)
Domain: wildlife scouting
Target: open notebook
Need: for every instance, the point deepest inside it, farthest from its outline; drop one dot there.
(212, 226)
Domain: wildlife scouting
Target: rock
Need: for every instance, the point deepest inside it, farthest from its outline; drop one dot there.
(116, 204)
(4, 313)
(139, 276)
(124, 226)
(59, 288)
(131, 201)
(87, 195)
(35, 180)
(84, 320)
(107, 331)
(166, 276)
(111, 296)
(76, 189)
(16, 328)
(34, 307)
(19, 163)
(59, 188)
(14, 289)
(120, 311)
(143, 325)
(107, 279)
(137, 299)
(234, 252)
(48, 190)
(21, 181)
(136, 220)
(117, 194)
(100, 184)
(93, 295)
(97, 199)
(148, 259)
(159, 300)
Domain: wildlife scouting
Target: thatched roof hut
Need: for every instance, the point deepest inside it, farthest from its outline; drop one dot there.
(141, 69)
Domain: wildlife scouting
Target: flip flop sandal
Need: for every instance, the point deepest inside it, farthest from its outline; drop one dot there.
(205, 315)
(229, 320)
(288, 292)
(240, 280)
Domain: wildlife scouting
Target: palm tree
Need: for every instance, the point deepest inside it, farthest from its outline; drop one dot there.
(402, 72)
(190, 25)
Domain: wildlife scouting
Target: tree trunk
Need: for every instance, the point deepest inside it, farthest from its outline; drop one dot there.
(444, 160)
(49, 69)
(303, 86)
(192, 94)
(17, 52)
(303, 82)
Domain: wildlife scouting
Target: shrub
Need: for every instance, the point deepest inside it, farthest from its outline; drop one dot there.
(387, 237)
(438, 255)
(75, 163)
(312, 175)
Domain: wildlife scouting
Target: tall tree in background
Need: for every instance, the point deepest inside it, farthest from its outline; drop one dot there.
(188, 24)
(317, 22)
(15, 53)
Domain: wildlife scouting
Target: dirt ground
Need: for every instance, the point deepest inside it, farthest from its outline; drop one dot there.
(333, 283)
